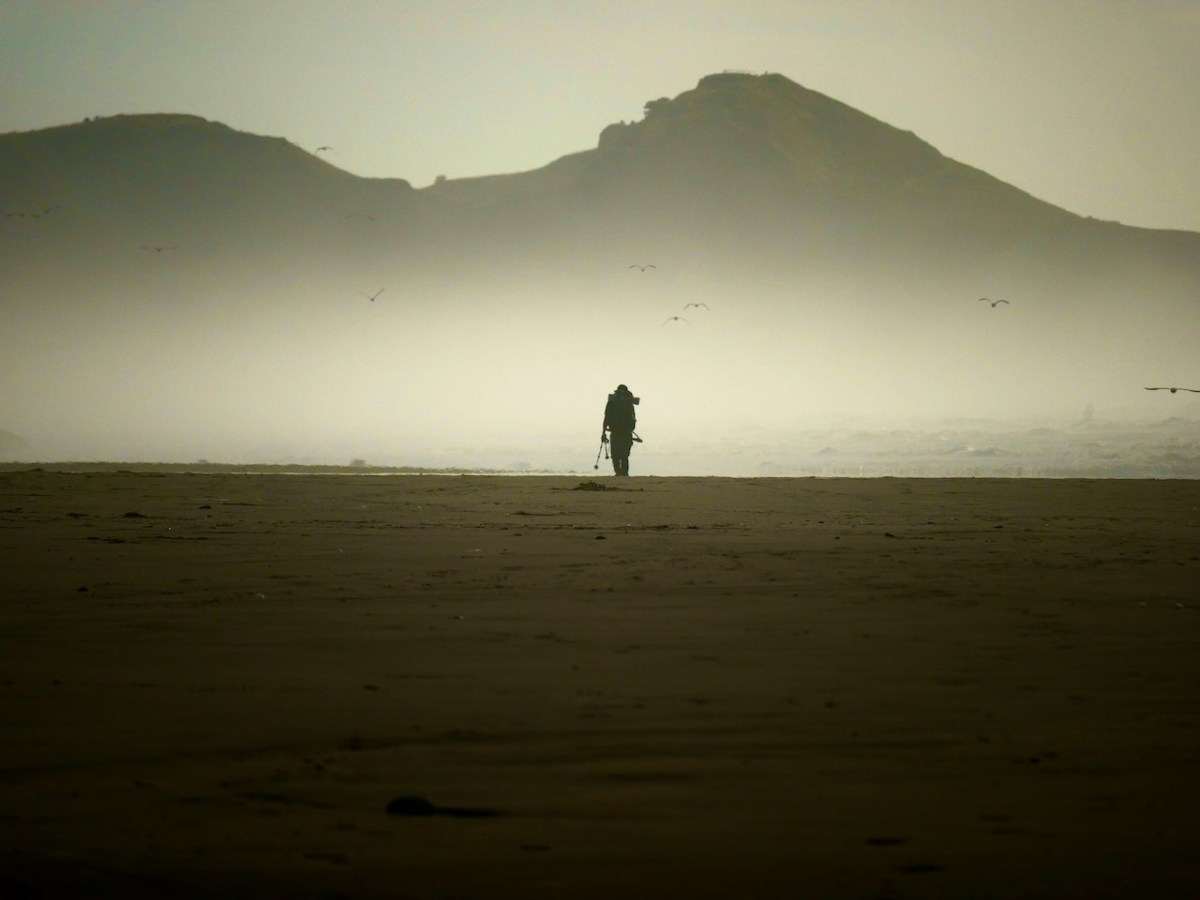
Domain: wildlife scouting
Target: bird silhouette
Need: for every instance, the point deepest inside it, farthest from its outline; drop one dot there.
(372, 297)
(319, 149)
(698, 305)
(677, 319)
(1174, 389)
(994, 303)
(642, 268)
(21, 214)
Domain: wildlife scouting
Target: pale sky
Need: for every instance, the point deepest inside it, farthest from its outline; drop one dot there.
(1093, 105)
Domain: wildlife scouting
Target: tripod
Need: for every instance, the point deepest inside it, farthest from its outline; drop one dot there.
(603, 449)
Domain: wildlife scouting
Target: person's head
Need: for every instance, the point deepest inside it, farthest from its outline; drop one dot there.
(621, 389)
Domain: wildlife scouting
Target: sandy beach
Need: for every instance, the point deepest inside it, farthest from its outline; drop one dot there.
(323, 685)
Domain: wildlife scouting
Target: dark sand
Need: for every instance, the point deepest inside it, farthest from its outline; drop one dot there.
(685, 688)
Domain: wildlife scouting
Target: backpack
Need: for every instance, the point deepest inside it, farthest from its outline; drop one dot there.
(619, 413)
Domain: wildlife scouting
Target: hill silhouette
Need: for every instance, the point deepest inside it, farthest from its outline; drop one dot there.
(217, 276)
(741, 166)
(759, 163)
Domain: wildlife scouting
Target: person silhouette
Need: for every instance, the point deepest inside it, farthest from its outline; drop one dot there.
(620, 419)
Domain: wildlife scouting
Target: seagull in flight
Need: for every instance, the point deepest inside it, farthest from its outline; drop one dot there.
(994, 303)
(676, 319)
(319, 149)
(372, 297)
(697, 305)
(1174, 389)
(19, 214)
(642, 268)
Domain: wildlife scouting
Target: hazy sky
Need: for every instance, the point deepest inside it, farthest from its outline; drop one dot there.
(1090, 104)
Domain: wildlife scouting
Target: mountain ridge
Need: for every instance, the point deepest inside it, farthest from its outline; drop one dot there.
(734, 140)
(191, 280)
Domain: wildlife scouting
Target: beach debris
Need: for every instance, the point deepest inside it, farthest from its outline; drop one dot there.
(593, 486)
(420, 807)
(134, 515)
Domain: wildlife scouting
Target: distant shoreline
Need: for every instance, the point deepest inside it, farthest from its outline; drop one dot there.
(153, 468)
(251, 469)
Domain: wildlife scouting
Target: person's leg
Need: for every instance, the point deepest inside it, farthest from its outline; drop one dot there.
(620, 444)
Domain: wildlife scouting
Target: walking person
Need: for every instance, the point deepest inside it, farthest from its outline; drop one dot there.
(620, 420)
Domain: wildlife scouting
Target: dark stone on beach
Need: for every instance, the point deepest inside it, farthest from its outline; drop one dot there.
(411, 806)
(601, 537)
(133, 515)
(414, 806)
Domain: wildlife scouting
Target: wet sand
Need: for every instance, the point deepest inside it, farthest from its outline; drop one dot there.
(215, 684)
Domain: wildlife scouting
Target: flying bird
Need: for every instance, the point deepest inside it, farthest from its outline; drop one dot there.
(1174, 389)
(994, 303)
(677, 319)
(698, 305)
(642, 268)
(372, 297)
(319, 149)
